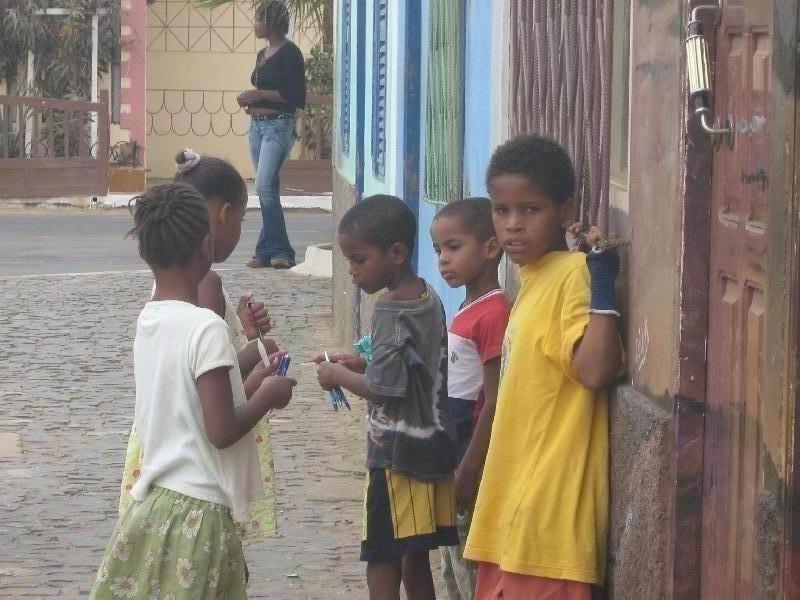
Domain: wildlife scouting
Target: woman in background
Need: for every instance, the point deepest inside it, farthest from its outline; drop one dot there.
(280, 90)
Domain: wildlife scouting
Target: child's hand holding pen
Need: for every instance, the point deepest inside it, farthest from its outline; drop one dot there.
(329, 375)
(254, 317)
(261, 371)
(353, 362)
(278, 390)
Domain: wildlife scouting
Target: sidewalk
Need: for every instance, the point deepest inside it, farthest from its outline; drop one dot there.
(66, 404)
(301, 189)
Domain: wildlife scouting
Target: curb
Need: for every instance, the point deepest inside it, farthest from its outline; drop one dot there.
(299, 202)
(318, 202)
(318, 262)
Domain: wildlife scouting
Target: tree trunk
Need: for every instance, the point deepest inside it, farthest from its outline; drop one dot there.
(327, 25)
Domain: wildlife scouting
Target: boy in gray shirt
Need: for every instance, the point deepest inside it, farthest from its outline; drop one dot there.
(411, 456)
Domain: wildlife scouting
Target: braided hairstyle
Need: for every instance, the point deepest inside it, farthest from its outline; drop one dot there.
(170, 222)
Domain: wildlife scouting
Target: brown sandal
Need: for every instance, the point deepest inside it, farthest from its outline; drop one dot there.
(280, 263)
(257, 263)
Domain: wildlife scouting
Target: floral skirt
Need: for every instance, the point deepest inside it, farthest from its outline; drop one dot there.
(171, 546)
(261, 521)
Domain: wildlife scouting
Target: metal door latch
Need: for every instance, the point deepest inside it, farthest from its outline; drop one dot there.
(698, 70)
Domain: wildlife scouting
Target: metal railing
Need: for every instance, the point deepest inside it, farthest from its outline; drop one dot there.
(46, 146)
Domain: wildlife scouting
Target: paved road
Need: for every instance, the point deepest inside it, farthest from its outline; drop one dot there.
(68, 240)
(66, 404)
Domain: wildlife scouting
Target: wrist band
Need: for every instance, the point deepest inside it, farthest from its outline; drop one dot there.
(603, 268)
(609, 312)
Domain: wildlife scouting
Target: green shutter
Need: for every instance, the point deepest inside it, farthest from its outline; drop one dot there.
(444, 137)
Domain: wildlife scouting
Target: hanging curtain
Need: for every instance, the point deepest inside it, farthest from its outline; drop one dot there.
(445, 103)
(560, 87)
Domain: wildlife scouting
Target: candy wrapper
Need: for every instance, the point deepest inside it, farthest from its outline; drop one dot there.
(364, 347)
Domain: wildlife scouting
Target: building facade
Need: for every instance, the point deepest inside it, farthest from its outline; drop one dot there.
(703, 486)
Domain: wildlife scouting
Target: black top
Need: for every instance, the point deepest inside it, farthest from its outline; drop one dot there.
(284, 72)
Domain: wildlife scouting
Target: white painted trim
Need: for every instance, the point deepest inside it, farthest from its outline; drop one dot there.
(500, 75)
(395, 84)
(369, 106)
(337, 85)
(424, 59)
(500, 49)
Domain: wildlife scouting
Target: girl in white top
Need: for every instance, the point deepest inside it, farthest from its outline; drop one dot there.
(194, 416)
(225, 194)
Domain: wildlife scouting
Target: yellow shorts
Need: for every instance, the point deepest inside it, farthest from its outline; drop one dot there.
(404, 515)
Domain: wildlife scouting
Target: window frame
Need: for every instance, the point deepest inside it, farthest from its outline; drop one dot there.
(380, 66)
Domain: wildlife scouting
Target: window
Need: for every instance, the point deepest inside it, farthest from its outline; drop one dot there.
(344, 125)
(380, 42)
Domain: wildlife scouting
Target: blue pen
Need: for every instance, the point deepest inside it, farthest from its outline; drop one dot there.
(332, 393)
(283, 367)
(341, 398)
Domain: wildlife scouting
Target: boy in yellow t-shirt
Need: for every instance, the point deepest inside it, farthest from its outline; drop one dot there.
(541, 518)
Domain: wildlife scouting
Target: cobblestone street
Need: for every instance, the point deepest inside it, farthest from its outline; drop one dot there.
(66, 406)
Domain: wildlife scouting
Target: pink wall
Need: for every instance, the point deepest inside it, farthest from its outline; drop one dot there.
(134, 72)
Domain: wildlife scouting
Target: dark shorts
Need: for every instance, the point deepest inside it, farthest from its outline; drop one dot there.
(464, 417)
(404, 515)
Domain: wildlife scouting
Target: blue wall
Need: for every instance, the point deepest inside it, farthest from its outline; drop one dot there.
(406, 92)
(478, 132)
(478, 81)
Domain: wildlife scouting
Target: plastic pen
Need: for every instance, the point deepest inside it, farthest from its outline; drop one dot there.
(283, 366)
(332, 392)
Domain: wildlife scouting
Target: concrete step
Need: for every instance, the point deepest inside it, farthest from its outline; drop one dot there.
(318, 262)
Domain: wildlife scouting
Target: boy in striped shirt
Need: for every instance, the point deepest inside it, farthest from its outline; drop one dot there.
(469, 255)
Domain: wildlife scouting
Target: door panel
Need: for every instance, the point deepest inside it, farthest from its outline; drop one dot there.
(733, 465)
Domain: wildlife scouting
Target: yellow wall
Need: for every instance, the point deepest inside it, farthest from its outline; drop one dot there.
(197, 62)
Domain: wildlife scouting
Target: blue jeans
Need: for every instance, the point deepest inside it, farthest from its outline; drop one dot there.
(270, 144)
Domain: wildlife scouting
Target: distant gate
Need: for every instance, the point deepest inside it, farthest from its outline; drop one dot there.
(46, 149)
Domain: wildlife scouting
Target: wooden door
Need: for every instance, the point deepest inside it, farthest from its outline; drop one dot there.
(734, 458)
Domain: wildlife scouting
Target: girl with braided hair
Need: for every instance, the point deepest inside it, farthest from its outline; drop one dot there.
(194, 417)
(225, 193)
